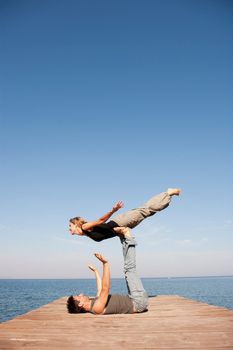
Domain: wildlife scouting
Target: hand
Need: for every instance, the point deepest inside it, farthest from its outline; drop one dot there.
(117, 206)
(92, 268)
(101, 258)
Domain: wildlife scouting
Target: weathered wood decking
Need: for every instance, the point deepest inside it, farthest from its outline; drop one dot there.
(172, 322)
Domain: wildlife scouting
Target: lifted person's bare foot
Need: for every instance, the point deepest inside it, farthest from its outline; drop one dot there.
(173, 191)
(123, 231)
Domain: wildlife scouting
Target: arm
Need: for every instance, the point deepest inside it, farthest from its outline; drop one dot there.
(98, 280)
(89, 225)
(100, 303)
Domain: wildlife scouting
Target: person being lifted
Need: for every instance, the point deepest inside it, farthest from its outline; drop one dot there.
(101, 229)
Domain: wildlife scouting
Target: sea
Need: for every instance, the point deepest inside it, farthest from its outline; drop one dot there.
(18, 296)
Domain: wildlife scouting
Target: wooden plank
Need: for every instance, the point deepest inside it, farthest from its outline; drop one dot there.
(172, 322)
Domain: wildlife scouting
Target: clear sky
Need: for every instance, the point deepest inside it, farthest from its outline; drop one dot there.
(116, 100)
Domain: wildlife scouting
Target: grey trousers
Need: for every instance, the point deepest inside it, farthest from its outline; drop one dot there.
(133, 217)
(134, 284)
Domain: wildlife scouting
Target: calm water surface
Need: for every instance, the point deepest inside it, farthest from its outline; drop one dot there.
(20, 296)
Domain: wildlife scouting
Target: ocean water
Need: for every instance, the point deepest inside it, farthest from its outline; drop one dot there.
(20, 296)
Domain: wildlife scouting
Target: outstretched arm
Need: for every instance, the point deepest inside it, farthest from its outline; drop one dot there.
(89, 225)
(98, 279)
(100, 303)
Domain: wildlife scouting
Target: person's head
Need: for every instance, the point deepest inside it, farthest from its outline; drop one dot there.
(78, 304)
(75, 225)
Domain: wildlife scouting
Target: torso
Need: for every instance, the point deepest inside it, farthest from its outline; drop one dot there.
(101, 232)
(117, 304)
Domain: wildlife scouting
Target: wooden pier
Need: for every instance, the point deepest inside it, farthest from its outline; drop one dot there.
(172, 322)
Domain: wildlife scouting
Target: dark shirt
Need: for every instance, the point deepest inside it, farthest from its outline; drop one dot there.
(101, 232)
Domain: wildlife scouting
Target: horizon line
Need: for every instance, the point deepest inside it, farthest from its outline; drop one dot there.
(90, 278)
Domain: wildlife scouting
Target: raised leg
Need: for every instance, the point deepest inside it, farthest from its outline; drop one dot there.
(157, 203)
(134, 284)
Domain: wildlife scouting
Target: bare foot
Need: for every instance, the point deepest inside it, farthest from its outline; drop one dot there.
(173, 191)
(124, 231)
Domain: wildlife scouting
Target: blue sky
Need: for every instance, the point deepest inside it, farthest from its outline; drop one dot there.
(115, 100)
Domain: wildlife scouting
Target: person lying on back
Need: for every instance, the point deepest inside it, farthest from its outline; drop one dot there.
(106, 303)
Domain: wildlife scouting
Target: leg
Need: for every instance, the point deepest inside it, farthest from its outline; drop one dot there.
(134, 285)
(157, 203)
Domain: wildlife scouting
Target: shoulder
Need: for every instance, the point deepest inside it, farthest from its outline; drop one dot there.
(101, 303)
(84, 228)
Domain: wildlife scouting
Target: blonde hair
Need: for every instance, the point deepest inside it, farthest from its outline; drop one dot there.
(78, 221)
